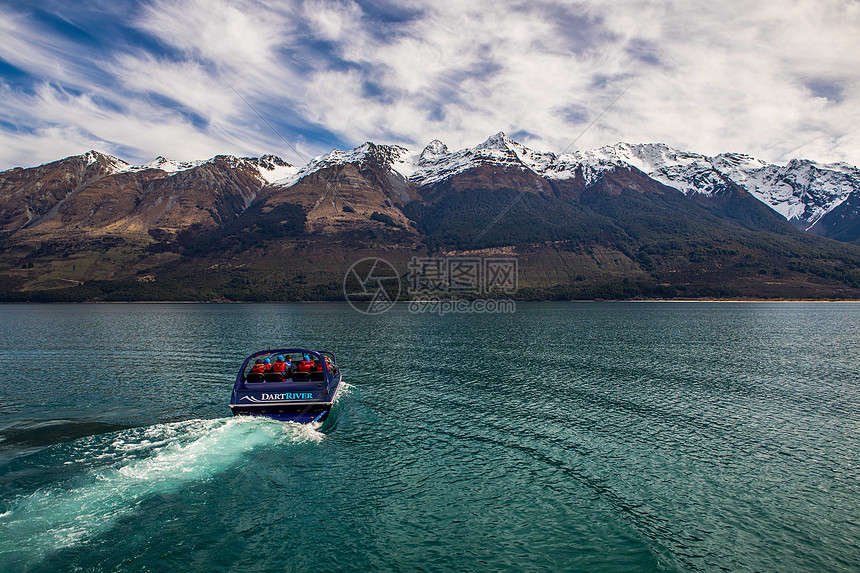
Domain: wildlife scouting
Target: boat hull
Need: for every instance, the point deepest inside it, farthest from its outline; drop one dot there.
(287, 414)
(285, 410)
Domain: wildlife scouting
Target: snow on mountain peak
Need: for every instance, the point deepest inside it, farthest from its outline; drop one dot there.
(271, 167)
(395, 157)
(109, 162)
(433, 149)
(169, 165)
(802, 191)
(91, 156)
(498, 141)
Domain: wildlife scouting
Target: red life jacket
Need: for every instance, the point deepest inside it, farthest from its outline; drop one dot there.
(258, 369)
(279, 367)
(304, 365)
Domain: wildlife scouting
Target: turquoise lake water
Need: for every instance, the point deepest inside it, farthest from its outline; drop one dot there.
(563, 436)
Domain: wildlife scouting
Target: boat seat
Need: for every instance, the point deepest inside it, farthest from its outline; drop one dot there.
(301, 376)
(255, 377)
(318, 375)
(274, 377)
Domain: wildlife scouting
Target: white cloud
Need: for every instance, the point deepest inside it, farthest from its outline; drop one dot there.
(37, 51)
(776, 79)
(330, 20)
(90, 123)
(226, 33)
(46, 144)
(185, 82)
(733, 77)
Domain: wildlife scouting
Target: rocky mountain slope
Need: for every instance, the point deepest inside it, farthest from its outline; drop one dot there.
(101, 193)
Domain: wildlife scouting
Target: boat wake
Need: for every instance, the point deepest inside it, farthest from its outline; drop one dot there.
(125, 468)
(345, 390)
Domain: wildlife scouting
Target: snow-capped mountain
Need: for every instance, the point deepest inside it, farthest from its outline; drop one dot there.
(436, 163)
(109, 163)
(270, 167)
(394, 156)
(619, 221)
(167, 165)
(94, 190)
(802, 191)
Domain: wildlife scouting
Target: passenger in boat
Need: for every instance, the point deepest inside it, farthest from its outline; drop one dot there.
(268, 363)
(279, 365)
(258, 367)
(305, 365)
(258, 371)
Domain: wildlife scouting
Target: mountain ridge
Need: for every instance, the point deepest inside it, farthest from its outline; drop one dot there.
(802, 191)
(618, 222)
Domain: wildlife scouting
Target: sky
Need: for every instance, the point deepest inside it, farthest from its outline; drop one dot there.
(189, 79)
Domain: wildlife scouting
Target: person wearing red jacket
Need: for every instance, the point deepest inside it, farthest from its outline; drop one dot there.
(259, 367)
(305, 365)
(279, 365)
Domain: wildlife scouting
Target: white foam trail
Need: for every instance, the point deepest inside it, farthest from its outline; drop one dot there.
(161, 458)
(345, 390)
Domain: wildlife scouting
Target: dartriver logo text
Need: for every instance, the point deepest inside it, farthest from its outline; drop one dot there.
(288, 396)
(285, 396)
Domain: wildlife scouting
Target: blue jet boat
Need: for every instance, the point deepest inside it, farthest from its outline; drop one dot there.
(303, 393)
